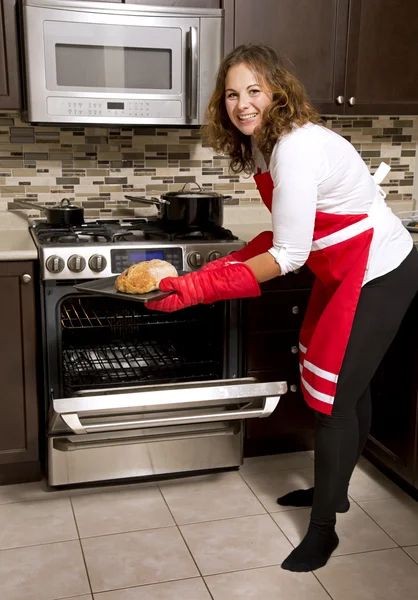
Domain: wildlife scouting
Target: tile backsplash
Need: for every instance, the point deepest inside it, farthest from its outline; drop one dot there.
(96, 166)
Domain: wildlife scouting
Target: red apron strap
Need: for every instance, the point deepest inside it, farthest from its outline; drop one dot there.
(265, 186)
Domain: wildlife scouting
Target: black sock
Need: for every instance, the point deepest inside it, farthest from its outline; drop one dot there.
(313, 552)
(305, 498)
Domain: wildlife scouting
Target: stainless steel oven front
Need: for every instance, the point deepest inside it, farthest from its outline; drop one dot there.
(134, 393)
(140, 64)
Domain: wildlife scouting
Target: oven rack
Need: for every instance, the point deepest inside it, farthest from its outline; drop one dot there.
(82, 314)
(134, 362)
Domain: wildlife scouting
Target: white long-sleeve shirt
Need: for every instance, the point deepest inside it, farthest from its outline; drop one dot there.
(315, 169)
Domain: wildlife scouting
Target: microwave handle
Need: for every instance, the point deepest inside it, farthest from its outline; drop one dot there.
(193, 72)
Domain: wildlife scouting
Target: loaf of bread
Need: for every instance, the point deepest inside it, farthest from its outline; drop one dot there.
(144, 277)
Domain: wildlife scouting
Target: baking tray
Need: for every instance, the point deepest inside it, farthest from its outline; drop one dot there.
(106, 287)
(411, 227)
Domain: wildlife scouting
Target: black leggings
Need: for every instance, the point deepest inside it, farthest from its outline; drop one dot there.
(340, 437)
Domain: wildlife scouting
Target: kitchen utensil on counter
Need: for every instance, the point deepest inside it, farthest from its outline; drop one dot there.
(188, 210)
(106, 287)
(64, 213)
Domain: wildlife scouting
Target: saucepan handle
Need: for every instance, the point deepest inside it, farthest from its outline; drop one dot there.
(144, 200)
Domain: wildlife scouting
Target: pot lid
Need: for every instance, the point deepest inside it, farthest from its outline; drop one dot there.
(64, 205)
(199, 193)
(191, 194)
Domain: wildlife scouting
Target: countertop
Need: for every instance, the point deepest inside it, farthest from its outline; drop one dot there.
(16, 242)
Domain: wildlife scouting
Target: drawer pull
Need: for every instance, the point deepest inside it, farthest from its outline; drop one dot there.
(294, 349)
(295, 310)
(293, 388)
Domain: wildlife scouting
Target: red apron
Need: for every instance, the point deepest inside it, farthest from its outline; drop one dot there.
(338, 258)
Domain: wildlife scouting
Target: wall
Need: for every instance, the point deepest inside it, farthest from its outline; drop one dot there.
(97, 166)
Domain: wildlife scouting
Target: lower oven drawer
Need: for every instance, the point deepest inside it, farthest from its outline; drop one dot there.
(121, 409)
(76, 459)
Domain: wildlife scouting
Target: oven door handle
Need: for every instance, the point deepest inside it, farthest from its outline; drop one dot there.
(73, 421)
(177, 396)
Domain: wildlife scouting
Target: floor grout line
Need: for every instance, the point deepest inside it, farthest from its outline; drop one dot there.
(184, 540)
(82, 549)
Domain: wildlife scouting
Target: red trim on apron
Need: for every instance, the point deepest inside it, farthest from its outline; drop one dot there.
(339, 257)
(265, 186)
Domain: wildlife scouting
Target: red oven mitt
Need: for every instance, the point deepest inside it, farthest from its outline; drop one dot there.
(228, 281)
(260, 244)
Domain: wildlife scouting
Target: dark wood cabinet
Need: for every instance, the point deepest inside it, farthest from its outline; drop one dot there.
(19, 457)
(382, 57)
(354, 56)
(272, 324)
(9, 61)
(310, 37)
(393, 440)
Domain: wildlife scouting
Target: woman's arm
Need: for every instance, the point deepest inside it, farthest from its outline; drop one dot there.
(264, 267)
(294, 167)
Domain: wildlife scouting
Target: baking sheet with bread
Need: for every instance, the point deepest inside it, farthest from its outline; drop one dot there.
(139, 282)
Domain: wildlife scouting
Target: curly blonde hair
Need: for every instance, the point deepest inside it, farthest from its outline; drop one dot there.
(290, 106)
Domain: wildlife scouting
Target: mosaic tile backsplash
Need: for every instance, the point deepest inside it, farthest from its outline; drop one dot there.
(96, 166)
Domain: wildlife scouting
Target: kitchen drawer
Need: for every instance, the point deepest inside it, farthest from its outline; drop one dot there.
(300, 279)
(273, 311)
(273, 350)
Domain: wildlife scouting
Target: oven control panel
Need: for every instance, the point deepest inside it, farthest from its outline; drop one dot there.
(122, 258)
(91, 261)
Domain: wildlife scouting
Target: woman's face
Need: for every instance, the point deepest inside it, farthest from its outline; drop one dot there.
(245, 98)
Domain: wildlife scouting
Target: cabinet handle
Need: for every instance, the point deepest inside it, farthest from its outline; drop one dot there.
(352, 101)
(26, 278)
(295, 310)
(294, 349)
(339, 99)
(293, 388)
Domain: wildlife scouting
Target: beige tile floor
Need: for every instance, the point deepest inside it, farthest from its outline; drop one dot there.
(219, 536)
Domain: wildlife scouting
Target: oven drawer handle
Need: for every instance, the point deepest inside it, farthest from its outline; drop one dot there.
(73, 422)
(69, 445)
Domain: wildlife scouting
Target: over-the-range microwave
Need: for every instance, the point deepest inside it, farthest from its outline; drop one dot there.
(109, 63)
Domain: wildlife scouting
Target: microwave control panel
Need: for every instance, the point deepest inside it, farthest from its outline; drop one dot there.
(98, 107)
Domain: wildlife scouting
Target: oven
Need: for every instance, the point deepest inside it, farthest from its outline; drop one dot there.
(130, 392)
(139, 393)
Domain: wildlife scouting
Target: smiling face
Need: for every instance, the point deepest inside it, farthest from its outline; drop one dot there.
(245, 98)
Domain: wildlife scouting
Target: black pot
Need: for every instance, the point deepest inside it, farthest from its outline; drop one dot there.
(63, 214)
(188, 210)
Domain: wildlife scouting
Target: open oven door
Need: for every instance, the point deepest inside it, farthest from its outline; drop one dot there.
(151, 430)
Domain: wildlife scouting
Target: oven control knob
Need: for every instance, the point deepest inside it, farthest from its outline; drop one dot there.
(97, 263)
(195, 259)
(76, 263)
(55, 264)
(214, 256)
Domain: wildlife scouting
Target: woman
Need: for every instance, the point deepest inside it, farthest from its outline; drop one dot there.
(329, 212)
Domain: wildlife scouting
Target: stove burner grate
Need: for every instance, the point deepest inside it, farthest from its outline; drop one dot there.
(115, 231)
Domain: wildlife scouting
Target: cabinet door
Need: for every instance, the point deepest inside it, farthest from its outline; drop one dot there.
(394, 433)
(9, 63)
(18, 398)
(311, 37)
(382, 61)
